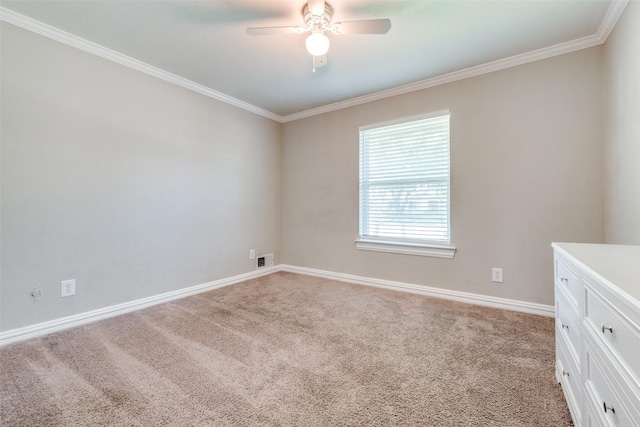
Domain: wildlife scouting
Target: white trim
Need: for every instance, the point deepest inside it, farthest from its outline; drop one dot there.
(56, 325)
(54, 33)
(465, 297)
(610, 19)
(436, 251)
(68, 322)
(606, 26)
(475, 71)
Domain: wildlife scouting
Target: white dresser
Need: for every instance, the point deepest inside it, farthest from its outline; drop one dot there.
(597, 296)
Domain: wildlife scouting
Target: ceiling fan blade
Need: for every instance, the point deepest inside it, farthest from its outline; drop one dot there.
(319, 61)
(372, 26)
(271, 31)
(316, 7)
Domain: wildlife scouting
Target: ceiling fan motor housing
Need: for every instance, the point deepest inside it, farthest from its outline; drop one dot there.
(317, 23)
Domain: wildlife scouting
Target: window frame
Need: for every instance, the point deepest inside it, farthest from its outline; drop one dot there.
(438, 249)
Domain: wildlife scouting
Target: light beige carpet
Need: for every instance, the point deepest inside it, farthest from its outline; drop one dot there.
(290, 350)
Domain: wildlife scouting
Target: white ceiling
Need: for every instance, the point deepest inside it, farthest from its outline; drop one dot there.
(205, 42)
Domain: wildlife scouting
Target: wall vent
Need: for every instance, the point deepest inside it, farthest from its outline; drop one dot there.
(263, 261)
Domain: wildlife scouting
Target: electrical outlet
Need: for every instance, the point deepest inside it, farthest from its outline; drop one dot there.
(67, 288)
(252, 254)
(496, 275)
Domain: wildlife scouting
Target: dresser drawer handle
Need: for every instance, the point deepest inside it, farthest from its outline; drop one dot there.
(565, 326)
(608, 408)
(564, 279)
(606, 328)
(565, 373)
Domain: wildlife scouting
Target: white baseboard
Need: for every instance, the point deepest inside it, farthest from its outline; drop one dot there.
(484, 300)
(44, 328)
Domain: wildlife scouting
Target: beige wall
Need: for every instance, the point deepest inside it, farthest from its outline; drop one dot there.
(131, 185)
(526, 147)
(135, 187)
(621, 59)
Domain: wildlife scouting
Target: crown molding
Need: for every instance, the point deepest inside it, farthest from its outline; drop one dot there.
(611, 18)
(454, 76)
(600, 37)
(606, 26)
(54, 33)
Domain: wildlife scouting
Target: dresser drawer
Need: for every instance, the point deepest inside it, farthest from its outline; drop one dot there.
(567, 322)
(617, 332)
(602, 396)
(567, 278)
(570, 378)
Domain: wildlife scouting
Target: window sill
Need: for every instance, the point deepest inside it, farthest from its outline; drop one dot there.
(436, 251)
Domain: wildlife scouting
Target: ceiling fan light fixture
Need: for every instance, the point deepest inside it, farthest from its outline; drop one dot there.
(317, 44)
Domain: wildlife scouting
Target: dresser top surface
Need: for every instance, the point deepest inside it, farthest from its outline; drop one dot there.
(619, 265)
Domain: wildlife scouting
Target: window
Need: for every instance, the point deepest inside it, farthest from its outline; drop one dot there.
(404, 187)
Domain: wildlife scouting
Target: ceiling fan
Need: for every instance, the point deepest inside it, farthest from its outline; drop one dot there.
(317, 15)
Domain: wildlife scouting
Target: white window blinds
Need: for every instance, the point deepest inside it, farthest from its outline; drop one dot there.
(404, 181)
